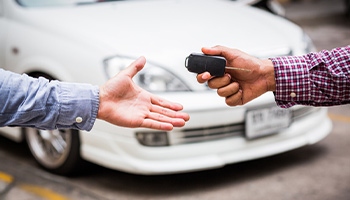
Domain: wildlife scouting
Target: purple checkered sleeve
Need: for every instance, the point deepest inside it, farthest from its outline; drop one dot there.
(316, 79)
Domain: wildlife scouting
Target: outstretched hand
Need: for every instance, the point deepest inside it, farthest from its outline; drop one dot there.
(123, 103)
(240, 87)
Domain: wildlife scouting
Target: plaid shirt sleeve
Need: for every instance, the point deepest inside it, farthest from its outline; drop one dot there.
(316, 79)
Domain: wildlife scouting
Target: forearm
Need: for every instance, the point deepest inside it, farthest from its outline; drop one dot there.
(317, 79)
(29, 102)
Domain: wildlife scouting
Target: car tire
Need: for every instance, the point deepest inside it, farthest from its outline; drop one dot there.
(57, 151)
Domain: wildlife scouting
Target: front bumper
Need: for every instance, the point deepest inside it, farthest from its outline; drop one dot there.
(120, 150)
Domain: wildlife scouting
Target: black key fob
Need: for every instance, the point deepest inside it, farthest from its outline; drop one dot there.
(199, 63)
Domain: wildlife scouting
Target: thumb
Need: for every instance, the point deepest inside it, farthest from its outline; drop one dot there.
(219, 51)
(210, 51)
(214, 51)
(135, 67)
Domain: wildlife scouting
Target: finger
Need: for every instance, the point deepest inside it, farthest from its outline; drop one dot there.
(177, 122)
(228, 90)
(170, 113)
(216, 50)
(165, 103)
(223, 51)
(204, 77)
(135, 67)
(219, 82)
(235, 99)
(211, 51)
(152, 124)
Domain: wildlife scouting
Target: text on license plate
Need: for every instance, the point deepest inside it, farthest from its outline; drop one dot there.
(266, 121)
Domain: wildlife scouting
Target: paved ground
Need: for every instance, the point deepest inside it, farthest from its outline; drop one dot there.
(318, 172)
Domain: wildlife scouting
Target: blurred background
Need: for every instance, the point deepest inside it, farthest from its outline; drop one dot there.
(317, 172)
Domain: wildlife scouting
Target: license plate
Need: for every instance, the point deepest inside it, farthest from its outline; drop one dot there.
(262, 122)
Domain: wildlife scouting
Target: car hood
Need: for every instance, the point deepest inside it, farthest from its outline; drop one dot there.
(165, 31)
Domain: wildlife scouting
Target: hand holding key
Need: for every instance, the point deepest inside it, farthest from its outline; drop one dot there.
(240, 86)
(215, 65)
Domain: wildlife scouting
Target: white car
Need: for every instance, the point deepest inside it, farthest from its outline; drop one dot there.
(90, 41)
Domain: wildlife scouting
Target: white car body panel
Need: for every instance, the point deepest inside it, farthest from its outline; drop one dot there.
(71, 43)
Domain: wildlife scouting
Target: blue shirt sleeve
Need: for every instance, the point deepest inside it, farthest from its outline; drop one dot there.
(44, 104)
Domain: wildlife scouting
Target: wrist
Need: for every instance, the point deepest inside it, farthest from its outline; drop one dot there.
(101, 94)
(269, 74)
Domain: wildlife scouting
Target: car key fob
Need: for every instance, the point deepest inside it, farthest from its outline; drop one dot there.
(199, 63)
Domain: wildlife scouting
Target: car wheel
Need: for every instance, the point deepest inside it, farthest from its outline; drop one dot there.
(57, 151)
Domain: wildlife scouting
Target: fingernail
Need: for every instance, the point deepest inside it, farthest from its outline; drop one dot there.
(206, 76)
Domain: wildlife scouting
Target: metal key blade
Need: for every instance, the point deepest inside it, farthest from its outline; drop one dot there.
(234, 68)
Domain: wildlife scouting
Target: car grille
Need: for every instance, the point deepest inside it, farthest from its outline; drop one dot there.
(206, 134)
(226, 131)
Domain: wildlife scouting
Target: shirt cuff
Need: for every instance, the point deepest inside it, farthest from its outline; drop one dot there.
(79, 105)
(292, 80)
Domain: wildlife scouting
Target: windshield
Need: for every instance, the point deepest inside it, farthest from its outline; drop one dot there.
(42, 3)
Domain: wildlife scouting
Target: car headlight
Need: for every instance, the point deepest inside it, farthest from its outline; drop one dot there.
(308, 44)
(152, 78)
